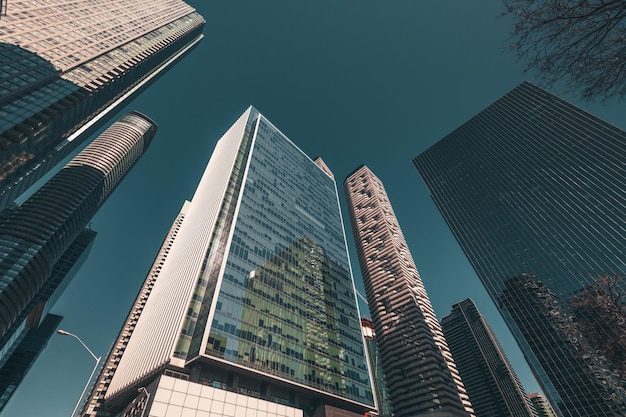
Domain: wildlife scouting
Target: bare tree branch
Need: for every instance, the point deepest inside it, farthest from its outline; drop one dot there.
(581, 43)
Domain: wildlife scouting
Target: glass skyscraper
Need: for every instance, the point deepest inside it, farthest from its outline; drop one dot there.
(533, 190)
(254, 306)
(489, 378)
(66, 66)
(35, 235)
(43, 241)
(30, 333)
(421, 377)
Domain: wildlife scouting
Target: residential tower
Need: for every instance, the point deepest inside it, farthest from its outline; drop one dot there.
(44, 240)
(421, 376)
(66, 67)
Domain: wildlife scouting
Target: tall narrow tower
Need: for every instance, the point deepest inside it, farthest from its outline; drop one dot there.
(541, 405)
(29, 335)
(489, 378)
(44, 241)
(35, 235)
(66, 66)
(253, 310)
(533, 189)
(421, 375)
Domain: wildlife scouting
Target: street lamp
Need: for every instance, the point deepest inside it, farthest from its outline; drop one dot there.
(97, 359)
(145, 391)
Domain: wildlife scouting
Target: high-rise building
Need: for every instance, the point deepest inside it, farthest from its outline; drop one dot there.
(254, 306)
(39, 238)
(29, 334)
(541, 405)
(379, 385)
(23, 355)
(67, 66)
(489, 378)
(533, 190)
(94, 404)
(421, 376)
(39, 307)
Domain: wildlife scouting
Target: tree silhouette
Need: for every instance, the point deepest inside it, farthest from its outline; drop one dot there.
(581, 43)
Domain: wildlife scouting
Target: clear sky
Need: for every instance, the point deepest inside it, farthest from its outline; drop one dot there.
(355, 82)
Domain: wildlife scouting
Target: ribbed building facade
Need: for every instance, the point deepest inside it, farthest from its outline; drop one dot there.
(94, 405)
(66, 66)
(421, 376)
(533, 189)
(35, 236)
(254, 308)
(489, 378)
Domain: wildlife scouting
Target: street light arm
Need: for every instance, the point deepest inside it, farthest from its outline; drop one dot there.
(145, 391)
(63, 332)
(97, 359)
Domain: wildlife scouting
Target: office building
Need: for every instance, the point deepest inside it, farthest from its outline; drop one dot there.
(421, 376)
(24, 354)
(254, 306)
(39, 237)
(93, 406)
(28, 336)
(533, 190)
(489, 378)
(541, 405)
(67, 66)
(383, 405)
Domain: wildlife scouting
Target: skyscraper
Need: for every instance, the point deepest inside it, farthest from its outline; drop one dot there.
(541, 405)
(29, 334)
(39, 237)
(94, 404)
(533, 190)
(421, 376)
(24, 354)
(254, 307)
(66, 66)
(378, 377)
(489, 378)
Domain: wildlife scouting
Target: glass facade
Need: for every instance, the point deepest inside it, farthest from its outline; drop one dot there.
(533, 189)
(380, 386)
(489, 378)
(35, 235)
(286, 302)
(24, 355)
(256, 295)
(65, 65)
(27, 337)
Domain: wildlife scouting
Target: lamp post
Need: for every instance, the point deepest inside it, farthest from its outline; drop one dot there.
(145, 391)
(97, 359)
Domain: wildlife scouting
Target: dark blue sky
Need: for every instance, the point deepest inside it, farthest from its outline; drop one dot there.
(367, 82)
